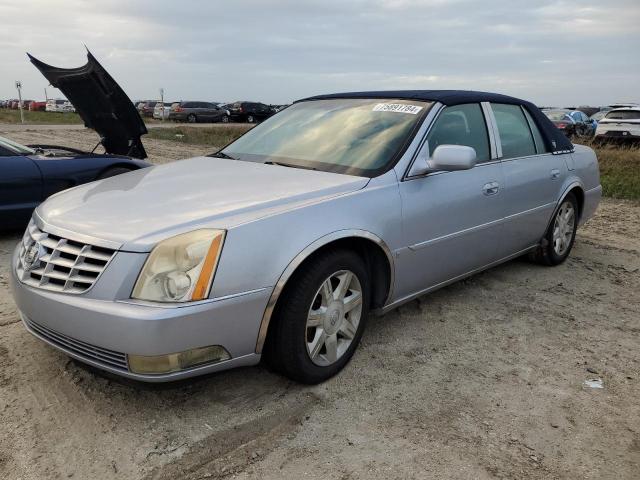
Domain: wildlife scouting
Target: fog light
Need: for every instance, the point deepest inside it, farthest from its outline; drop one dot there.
(174, 362)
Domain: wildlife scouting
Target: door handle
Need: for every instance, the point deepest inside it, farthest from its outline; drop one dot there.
(555, 173)
(491, 188)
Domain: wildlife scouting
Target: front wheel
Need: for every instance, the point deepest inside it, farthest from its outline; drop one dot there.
(250, 119)
(192, 118)
(320, 318)
(561, 234)
(225, 119)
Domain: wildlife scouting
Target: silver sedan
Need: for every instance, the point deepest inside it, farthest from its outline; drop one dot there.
(281, 244)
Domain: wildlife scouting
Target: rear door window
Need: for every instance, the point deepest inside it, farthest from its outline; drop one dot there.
(541, 146)
(515, 135)
(461, 125)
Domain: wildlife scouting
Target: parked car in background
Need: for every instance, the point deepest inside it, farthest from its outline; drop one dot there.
(30, 174)
(620, 124)
(600, 114)
(162, 110)
(59, 105)
(146, 109)
(572, 122)
(381, 197)
(38, 106)
(194, 112)
(101, 103)
(277, 108)
(624, 104)
(250, 112)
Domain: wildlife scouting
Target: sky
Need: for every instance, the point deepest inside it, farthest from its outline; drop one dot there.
(552, 52)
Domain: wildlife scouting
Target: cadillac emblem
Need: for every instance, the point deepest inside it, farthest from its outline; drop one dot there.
(32, 255)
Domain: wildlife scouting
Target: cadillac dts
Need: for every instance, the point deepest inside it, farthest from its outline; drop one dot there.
(281, 244)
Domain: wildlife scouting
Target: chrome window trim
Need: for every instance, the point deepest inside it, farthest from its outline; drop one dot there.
(492, 126)
(421, 137)
(528, 118)
(302, 256)
(499, 142)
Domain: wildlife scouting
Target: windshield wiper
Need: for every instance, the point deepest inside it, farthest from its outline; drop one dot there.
(222, 155)
(280, 164)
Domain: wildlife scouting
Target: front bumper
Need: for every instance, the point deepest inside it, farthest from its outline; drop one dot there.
(103, 332)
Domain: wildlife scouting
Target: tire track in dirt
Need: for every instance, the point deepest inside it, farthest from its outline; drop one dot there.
(231, 451)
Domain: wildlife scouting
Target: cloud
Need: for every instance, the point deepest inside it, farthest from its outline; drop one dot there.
(552, 52)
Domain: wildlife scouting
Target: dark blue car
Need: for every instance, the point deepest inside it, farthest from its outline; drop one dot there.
(30, 174)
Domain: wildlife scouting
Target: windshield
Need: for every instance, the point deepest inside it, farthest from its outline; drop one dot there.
(623, 115)
(557, 116)
(16, 147)
(352, 136)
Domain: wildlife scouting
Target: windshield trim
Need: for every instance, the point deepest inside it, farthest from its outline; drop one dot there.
(367, 173)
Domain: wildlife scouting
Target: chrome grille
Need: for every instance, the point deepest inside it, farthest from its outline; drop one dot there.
(51, 262)
(101, 355)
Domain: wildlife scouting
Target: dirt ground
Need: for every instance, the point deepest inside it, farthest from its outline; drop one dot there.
(482, 379)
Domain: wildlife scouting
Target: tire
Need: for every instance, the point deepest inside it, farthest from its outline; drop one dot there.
(251, 119)
(312, 339)
(112, 172)
(561, 234)
(192, 118)
(225, 119)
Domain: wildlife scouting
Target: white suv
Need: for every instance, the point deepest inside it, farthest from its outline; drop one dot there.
(161, 110)
(620, 123)
(59, 105)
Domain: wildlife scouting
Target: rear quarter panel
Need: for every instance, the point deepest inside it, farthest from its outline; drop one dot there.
(587, 174)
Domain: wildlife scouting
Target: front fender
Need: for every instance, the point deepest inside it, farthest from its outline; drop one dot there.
(301, 257)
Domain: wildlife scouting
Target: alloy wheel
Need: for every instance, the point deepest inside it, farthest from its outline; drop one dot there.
(333, 318)
(563, 228)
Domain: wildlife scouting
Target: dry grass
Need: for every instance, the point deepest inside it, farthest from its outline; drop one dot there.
(215, 136)
(619, 170)
(40, 118)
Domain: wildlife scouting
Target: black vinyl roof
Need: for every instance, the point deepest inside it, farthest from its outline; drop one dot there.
(447, 97)
(555, 139)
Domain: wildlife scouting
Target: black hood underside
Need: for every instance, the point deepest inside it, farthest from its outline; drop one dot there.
(101, 103)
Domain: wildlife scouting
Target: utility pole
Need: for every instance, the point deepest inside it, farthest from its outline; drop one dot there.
(46, 99)
(19, 87)
(162, 102)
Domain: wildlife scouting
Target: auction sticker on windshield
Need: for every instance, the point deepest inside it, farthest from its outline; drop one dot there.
(397, 107)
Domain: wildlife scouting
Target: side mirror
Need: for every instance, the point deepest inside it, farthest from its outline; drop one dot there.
(449, 158)
(445, 158)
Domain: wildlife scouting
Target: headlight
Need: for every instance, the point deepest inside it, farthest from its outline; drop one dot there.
(181, 268)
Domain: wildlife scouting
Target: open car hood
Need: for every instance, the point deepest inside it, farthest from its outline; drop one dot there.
(101, 104)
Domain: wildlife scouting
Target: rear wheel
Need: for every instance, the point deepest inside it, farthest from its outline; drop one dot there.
(250, 119)
(320, 318)
(225, 119)
(560, 237)
(192, 118)
(112, 172)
